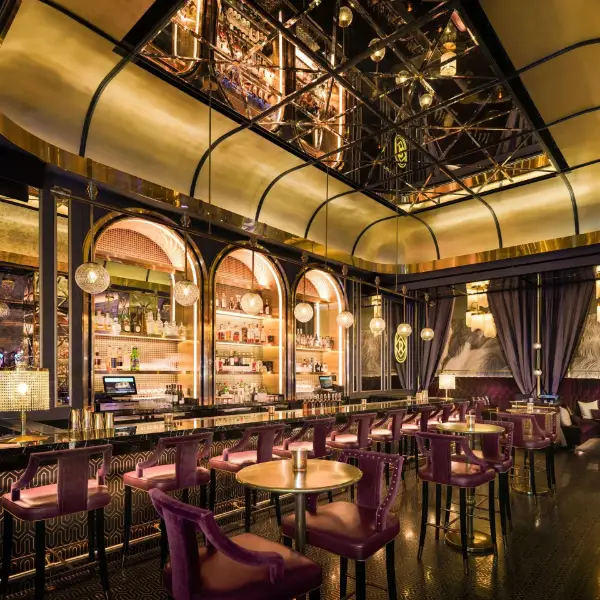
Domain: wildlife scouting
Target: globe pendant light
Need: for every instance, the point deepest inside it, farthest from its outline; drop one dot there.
(427, 334)
(377, 55)
(304, 312)
(252, 303)
(345, 319)
(425, 100)
(404, 329)
(345, 17)
(377, 324)
(186, 292)
(91, 277)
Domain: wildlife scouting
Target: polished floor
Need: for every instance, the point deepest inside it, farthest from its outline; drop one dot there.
(553, 552)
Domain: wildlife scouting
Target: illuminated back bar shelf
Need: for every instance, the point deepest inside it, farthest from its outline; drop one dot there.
(248, 348)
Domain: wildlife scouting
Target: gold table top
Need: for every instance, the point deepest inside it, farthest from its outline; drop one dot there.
(476, 429)
(320, 476)
(536, 411)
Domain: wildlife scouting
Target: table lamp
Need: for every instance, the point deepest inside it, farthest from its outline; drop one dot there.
(22, 390)
(447, 382)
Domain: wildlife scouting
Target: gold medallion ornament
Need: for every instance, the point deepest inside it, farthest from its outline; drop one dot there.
(400, 151)
(400, 348)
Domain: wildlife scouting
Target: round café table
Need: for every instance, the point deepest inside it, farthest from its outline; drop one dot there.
(478, 542)
(320, 476)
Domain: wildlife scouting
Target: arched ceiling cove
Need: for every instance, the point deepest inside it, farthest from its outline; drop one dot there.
(51, 67)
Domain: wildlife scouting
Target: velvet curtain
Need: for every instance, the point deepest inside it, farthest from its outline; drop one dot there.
(430, 353)
(564, 310)
(513, 306)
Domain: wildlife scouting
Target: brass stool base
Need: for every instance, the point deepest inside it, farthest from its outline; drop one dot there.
(524, 488)
(479, 543)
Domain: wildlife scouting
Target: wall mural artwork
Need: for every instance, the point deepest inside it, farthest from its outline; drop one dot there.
(469, 353)
(586, 358)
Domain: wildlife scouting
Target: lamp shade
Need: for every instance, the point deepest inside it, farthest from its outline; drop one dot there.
(345, 319)
(427, 334)
(447, 381)
(24, 389)
(186, 292)
(345, 17)
(303, 312)
(92, 278)
(377, 55)
(377, 326)
(252, 303)
(404, 329)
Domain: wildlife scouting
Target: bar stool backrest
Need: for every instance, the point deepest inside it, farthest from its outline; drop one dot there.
(187, 456)
(397, 416)
(266, 435)
(520, 421)
(184, 522)
(446, 412)
(365, 423)
(495, 444)
(424, 414)
(73, 467)
(320, 428)
(461, 408)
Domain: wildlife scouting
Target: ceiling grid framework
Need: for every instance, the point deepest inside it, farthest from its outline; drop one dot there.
(54, 68)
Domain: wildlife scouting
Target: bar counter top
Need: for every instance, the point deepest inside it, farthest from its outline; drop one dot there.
(143, 436)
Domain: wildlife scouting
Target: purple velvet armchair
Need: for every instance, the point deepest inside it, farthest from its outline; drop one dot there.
(245, 567)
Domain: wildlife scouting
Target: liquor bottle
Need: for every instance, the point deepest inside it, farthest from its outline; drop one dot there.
(270, 338)
(236, 333)
(97, 360)
(262, 335)
(135, 359)
(223, 301)
(138, 324)
(181, 396)
(228, 332)
(217, 302)
(245, 333)
(127, 359)
(267, 306)
(119, 359)
(109, 354)
(231, 304)
(99, 321)
(126, 324)
(312, 364)
(238, 302)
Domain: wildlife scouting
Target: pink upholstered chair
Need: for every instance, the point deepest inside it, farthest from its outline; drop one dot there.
(357, 531)
(74, 492)
(242, 455)
(441, 469)
(244, 567)
(183, 474)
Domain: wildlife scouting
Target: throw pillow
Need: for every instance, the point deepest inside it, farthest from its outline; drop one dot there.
(587, 407)
(565, 417)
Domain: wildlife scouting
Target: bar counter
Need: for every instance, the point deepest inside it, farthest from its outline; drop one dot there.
(133, 443)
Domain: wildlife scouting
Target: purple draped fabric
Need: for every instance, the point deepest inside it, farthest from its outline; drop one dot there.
(430, 353)
(565, 307)
(514, 308)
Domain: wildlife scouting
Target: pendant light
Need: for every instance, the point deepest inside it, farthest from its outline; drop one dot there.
(345, 17)
(252, 303)
(186, 292)
(377, 324)
(427, 334)
(91, 277)
(304, 312)
(404, 329)
(345, 319)
(377, 55)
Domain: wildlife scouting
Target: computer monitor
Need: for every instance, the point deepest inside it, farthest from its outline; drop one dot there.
(326, 382)
(119, 385)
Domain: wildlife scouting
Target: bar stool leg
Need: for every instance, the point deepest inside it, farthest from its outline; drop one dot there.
(388, 450)
(203, 496)
(91, 536)
(390, 566)
(401, 447)
(416, 455)
(448, 506)
(314, 594)
(127, 517)
(213, 489)
(463, 528)
(7, 541)
(248, 509)
(275, 498)
(438, 509)
(502, 501)
(553, 467)
(361, 579)
(343, 576)
(424, 509)
(532, 473)
(506, 477)
(164, 544)
(40, 558)
(102, 562)
(492, 513)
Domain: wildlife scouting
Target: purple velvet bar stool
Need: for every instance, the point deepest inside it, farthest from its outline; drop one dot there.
(459, 413)
(478, 407)
(183, 474)
(548, 423)
(340, 440)
(244, 567)
(317, 430)
(241, 455)
(529, 442)
(496, 450)
(388, 431)
(74, 492)
(441, 416)
(416, 422)
(441, 469)
(357, 531)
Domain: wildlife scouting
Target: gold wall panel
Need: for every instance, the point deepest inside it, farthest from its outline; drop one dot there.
(532, 29)
(242, 167)
(115, 17)
(462, 228)
(579, 138)
(378, 244)
(521, 209)
(347, 217)
(566, 84)
(146, 127)
(50, 67)
(587, 193)
(293, 199)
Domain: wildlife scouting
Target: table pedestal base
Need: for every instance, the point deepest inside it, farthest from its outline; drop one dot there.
(524, 488)
(477, 543)
(300, 511)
